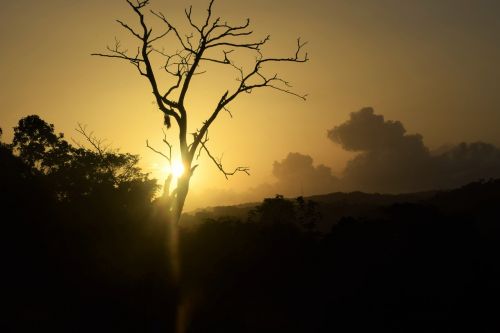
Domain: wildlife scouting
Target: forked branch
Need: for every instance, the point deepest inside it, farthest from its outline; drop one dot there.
(98, 144)
(168, 156)
(218, 161)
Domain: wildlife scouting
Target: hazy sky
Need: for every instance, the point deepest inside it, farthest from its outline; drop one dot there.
(434, 65)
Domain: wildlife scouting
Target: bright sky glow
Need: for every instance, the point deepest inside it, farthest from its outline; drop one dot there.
(433, 65)
(177, 168)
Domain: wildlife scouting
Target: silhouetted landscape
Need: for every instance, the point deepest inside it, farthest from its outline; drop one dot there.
(250, 166)
(85, 248)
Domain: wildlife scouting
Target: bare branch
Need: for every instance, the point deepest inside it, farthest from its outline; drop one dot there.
(225, 61)
(167, 157)
(218, 161)
(188, 13)
(145, 51)
(228, 111)
(229, 31)
(129, 29)
(98, 145)
(160, 36)
(139, 3)
(202, 141)
(157, 151)
(117, 52)
(174, 29)
(209, 15)
(269, 82)
(253, 46)
(172, 88)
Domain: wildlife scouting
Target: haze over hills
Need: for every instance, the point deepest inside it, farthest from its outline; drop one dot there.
(335, 206)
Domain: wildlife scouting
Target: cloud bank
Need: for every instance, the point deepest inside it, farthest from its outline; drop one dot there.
(388, 160)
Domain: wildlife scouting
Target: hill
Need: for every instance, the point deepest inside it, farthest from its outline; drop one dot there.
(471, 198)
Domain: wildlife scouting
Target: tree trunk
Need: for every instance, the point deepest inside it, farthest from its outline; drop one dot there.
(181, 190)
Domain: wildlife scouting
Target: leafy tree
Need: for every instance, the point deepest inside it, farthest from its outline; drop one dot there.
(276, 210)
(212, 41)
(307, 213)
(37, 145)
(75, 172)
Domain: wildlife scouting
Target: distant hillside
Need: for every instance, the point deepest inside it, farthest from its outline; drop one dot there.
(332, 207)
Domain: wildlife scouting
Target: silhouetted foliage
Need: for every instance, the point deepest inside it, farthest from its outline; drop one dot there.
(276, 210)
(78, 234)
(76, 172)
(308, 214)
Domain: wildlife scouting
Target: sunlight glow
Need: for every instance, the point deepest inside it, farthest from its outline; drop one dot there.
(176, 169)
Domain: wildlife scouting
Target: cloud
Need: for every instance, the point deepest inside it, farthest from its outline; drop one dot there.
(390, 160)
(366, 131)
(296, 175)
(465, 163)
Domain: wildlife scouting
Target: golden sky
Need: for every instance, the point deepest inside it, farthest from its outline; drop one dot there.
(432, 64)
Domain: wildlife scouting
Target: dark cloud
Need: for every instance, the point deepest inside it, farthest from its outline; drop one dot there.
(390, 160)
(366, 131)
(465, 163)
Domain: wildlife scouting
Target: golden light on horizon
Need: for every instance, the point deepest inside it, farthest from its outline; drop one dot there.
(362, 54)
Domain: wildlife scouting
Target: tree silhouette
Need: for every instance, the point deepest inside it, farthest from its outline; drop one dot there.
(213, 41)
(36, 143)
(76, 172)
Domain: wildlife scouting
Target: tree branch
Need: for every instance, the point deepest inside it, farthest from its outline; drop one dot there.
(173, 28)
(167, 157)
(170, 146)
(97, 144)
(218, 161)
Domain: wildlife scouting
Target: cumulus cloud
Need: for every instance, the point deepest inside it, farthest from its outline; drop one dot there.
(366, 131)
(296, 175)
(390, 160)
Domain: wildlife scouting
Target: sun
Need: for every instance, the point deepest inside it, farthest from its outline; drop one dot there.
(177, 168)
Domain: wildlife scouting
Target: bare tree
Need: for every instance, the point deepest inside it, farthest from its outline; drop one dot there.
(211, 41)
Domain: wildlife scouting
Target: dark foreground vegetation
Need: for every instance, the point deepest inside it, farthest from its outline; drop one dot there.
(84, 249)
